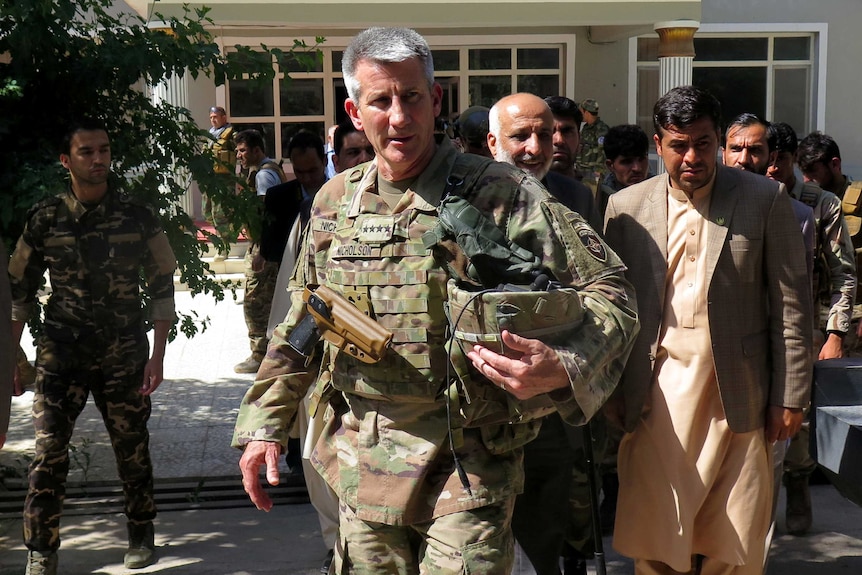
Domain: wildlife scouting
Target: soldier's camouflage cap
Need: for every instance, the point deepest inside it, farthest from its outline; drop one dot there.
(590, 106)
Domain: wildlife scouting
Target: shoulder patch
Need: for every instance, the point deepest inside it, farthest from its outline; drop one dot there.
(590, 239)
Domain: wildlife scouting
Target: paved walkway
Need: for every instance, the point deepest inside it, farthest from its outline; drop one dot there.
(207, 526)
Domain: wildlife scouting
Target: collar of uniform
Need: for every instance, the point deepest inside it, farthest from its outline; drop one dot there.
(427, 188)
(77, 208)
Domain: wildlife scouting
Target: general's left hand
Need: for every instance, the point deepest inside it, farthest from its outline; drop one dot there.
(782, 423)
(530, 368)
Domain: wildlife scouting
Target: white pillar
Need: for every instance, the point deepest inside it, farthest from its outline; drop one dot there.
(675, 57)
(175, 91)
(675, 53)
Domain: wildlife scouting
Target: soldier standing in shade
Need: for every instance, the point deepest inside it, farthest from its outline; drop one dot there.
(590, 161)
(7, 350)
(94, 241)
(420, 491)
(260, 275)
(224, 151)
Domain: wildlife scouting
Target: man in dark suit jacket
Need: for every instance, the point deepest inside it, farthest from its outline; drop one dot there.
(748, 307)
(522, 133)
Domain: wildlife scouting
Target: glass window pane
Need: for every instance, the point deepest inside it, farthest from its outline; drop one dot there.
(267, 130)
(339, 96)
(647, 49)
(738, 89)
(793, 105)
(302, 61)
(301, 97)
(250, 98)
(449, 105)
(446, 60)
(289, 130)
(336, 60)
(648, 86)
(540, 85)
(739, 49)
(797, 48)
(538, 58)
(490, 59)
(486, 90)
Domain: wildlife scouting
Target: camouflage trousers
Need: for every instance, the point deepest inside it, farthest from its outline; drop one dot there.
(541, 513)
(257, 302)
(67, 371)
(475, 542)
(579, 531)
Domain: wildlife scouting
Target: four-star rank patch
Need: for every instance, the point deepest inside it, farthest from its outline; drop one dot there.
(377, 229)
(592, 242)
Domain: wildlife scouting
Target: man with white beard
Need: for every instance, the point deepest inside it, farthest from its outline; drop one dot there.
(521, 132)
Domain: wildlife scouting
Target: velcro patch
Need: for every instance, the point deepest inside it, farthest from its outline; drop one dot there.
(377, 229)
(591, 241)
(323, 225)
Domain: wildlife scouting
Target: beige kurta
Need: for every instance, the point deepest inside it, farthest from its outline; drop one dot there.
(688, 485)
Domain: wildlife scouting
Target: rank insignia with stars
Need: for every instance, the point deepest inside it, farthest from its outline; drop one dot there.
(377, 229)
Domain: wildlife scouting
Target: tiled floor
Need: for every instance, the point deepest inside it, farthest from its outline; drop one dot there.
(193, 410)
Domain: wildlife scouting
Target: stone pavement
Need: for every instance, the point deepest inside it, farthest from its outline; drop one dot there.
(206, 524)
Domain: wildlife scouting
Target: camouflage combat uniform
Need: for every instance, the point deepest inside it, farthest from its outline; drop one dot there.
(259, 285)
(590, 160)
(94, 340)
(385, 445)
(224, 150)
(834, 287)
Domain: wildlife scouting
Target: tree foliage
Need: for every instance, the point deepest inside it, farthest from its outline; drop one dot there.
(63, 60)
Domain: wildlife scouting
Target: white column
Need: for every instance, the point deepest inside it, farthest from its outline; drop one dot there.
(675, 53)
(175, 91)
(675, 57)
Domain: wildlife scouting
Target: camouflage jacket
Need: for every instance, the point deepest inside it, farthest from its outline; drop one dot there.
(384, 448)
(94, 257)
(834, 255)
(591, 157)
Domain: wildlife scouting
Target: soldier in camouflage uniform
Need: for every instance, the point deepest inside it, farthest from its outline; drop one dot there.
(590, 160)
(260, 275)
(224, 150)
(94, 241)
(834, 286)
(387, 443)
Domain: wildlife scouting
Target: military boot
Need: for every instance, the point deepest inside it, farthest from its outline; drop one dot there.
(798, 515)
(41, 563)
(142, 546)
(250, 365)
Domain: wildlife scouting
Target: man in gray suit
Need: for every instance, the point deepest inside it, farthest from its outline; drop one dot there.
(722, 366)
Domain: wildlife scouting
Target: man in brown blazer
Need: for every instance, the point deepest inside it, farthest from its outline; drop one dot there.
(722, 365)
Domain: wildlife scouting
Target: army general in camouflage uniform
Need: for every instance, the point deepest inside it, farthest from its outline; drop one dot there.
(94, 241)
(388, 448)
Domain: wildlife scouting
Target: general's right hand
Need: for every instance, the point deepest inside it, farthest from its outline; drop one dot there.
(258, 453)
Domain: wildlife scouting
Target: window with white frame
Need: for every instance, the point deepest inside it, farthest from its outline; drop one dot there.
(312, 97)
(769, 74)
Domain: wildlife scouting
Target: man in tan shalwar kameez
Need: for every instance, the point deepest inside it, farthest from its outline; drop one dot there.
(722, 366)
